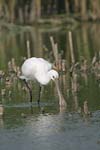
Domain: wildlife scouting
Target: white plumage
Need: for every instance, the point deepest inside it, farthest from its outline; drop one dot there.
(39, 69)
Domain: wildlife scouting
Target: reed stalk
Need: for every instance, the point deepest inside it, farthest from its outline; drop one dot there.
(62, 102)
(28, 49)
(71, 47)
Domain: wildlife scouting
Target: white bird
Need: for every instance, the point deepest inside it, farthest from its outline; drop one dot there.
(37, 69)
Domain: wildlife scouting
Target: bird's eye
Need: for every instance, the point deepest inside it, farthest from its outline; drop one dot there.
(53, 77)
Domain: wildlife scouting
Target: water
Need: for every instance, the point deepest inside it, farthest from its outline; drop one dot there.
(50, 127)
(50, 131)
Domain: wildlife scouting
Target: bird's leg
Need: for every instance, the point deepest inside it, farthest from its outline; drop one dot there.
(30, 90)
(40, 90)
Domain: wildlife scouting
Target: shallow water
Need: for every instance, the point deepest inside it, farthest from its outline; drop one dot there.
(51, 130)
(49, 127)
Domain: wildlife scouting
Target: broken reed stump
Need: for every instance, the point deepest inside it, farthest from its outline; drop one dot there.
(28, 49)
(62, 102)
(71, 47)
(54, 48)
(85, 108)
(59, 62)
(1, 110)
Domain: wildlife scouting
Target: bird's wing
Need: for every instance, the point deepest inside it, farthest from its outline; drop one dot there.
(45, 64)
(34, 67)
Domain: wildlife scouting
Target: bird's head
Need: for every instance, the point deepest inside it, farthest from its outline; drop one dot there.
(53, 74)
